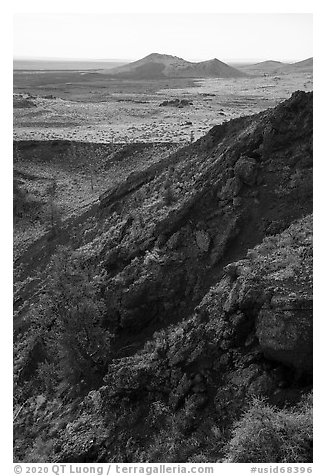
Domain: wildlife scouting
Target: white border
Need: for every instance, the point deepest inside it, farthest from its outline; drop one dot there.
(168, 6)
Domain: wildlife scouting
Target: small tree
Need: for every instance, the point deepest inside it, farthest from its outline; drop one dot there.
(53, 210)
(77, 333)
(91, 174)
(20, 202)
(168, 196)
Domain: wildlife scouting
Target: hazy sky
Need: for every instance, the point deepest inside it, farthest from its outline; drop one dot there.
(191, 36)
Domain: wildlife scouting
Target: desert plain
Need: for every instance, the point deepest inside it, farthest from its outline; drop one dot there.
(93, 107)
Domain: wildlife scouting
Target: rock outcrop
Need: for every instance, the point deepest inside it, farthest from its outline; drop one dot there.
(214, 361)
(176, 103)
(246, 170)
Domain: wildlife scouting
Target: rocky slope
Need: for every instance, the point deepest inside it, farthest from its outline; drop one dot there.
(206, 265)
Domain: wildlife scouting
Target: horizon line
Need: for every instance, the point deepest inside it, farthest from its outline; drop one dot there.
(90, 60)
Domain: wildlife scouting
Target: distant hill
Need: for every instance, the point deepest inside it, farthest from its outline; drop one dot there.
(275, 67)
(268, 67)
(155, 66)
(305, 66)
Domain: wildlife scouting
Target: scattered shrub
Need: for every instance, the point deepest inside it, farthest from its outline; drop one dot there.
(266, 434)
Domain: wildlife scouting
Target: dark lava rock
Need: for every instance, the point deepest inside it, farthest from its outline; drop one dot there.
(245, 170)
(285, 333)
(176, 103)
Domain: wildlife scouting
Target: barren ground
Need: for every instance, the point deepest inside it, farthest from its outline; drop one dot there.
(89, 107)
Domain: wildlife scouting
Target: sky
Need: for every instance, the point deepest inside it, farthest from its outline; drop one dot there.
(232, 37)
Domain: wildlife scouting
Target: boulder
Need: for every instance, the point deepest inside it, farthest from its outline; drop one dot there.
(285, 333)
(231, 189)
(203, 240)
(246, 170)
